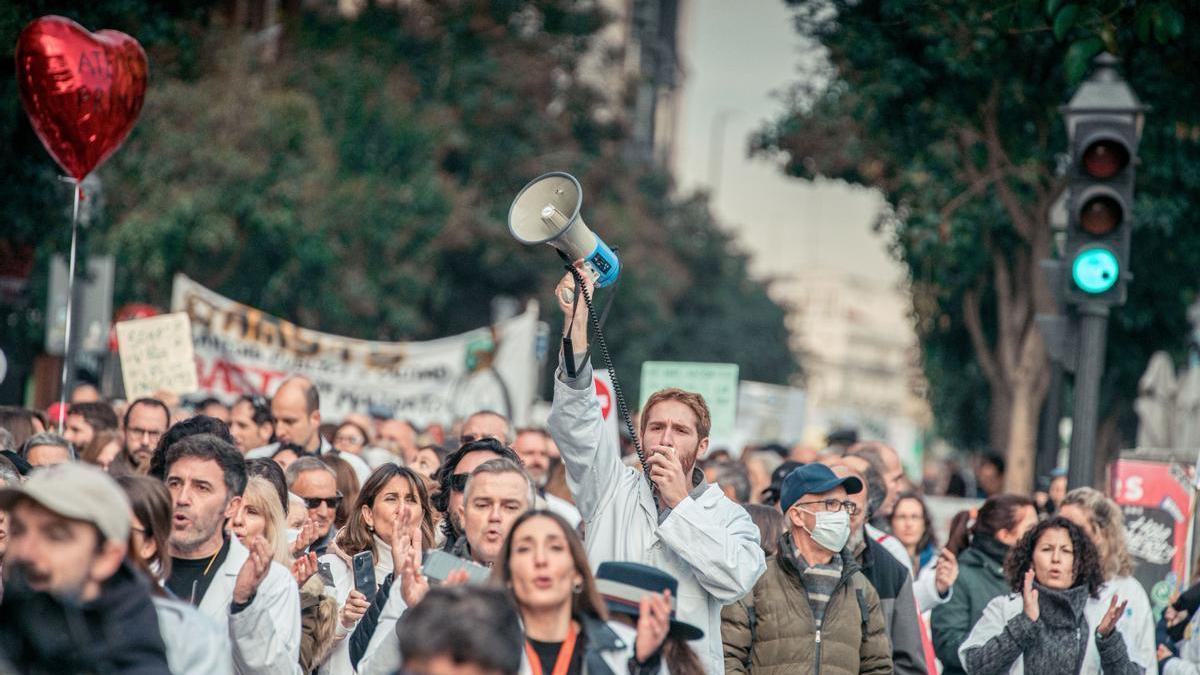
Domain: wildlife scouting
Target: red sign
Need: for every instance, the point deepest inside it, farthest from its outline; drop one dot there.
(604, 394)
(1156, 499)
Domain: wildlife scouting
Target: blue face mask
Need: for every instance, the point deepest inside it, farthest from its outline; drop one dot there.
(831, 530)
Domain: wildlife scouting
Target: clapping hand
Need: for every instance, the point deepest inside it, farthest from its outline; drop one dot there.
(304, 567)
(307, 535)
(253, 571)
(1030, 596)
(654, 620)
(1114, 613)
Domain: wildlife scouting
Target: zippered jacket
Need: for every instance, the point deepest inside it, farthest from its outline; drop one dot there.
(772, 630)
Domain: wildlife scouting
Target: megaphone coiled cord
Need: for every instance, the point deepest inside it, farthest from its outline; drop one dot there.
(622, 406)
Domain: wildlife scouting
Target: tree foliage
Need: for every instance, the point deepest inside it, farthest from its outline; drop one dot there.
(951, 110)
(359, 183)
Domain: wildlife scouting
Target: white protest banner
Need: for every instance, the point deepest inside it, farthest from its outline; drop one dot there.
(770, 413)
(156, 355)
(716, 382)
(240, 349)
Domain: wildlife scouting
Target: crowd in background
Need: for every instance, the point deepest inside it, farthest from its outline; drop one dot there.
(258, 537)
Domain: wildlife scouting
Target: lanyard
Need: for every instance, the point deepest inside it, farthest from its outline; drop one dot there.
(561, 664)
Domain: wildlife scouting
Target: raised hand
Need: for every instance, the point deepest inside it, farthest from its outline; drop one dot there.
(1030, 595)
(406, 538)
(356, 605)
(304, 567)
(253, 571)
(413, 584)
(654, 620)
(1114, 614)
(1174, 616)
(307, 535)
(946, 572)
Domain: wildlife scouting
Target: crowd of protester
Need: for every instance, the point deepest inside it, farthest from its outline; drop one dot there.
(257, 537)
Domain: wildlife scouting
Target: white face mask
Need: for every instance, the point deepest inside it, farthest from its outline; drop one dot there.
(831, 530)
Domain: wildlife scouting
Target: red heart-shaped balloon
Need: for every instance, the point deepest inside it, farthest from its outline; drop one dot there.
(83, 91)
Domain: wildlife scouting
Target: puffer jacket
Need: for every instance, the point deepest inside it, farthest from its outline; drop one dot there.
(980, 579)
(772, 629)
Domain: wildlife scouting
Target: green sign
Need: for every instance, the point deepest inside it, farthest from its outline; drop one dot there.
(716, 382)
(1095, 270)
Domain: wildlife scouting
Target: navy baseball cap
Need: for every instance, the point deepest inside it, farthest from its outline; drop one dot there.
(813, 478)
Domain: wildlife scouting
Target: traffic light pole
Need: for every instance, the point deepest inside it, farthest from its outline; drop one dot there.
(1093, 329)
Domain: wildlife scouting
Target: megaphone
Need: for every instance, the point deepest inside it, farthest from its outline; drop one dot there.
(546, 211)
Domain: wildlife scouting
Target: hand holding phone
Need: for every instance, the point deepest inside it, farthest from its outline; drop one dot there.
(364, 574)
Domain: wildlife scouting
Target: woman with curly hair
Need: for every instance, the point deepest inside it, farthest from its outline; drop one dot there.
(1053, 621)
(1102, 520)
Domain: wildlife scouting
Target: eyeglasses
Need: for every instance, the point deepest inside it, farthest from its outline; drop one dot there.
(349, 438)
(331, 502)
(835, 505)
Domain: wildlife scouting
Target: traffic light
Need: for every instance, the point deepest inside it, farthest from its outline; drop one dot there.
(1100, 207)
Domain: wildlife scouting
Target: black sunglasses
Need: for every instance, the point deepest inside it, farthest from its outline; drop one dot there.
(331, 502)
(458, 482)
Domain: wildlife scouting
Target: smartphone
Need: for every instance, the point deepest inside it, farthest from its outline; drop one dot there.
(438, 565)
(364, 574)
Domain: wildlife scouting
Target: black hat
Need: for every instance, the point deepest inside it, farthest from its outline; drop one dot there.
(623, 584)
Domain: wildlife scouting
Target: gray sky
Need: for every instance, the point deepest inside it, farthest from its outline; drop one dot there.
(736, 54)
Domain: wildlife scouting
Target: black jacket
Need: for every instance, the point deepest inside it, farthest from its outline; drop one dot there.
(894, 585)
(115, 633)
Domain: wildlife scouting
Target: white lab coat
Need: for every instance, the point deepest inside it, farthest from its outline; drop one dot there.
(1003, 608)
(709, 544)
(338, 662)
(196, 645)
(266, 634)
(925, 589)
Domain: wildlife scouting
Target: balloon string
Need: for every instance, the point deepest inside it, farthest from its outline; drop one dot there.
(62, 395)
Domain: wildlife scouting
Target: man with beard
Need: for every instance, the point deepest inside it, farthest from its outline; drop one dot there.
(664, 515)
(537, 450)
(69, 582)
(253, 598)
(85, 419)
(146, 420)
(296, 409)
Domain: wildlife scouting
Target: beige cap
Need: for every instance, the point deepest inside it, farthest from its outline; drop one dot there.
(77, 491)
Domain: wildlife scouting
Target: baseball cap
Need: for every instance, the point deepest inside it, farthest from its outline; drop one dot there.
(813, 478)
(79, 492)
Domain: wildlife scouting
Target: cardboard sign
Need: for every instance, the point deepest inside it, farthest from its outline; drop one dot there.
(1156, 499)
(716, 382)
(156, 355)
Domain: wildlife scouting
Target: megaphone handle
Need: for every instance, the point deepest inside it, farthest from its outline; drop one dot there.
(622, 406)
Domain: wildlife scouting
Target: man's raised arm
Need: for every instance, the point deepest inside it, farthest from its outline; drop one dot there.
(590, 452)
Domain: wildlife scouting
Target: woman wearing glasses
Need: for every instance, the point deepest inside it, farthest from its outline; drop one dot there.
(393, 505)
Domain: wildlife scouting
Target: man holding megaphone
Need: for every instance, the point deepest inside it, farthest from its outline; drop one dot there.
(690, 529)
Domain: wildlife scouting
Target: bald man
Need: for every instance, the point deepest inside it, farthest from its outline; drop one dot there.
(296, 407)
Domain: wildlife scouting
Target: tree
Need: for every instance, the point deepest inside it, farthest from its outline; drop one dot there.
(951, 112)
(359, 181)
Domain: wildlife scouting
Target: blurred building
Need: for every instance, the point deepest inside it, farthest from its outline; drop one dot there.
(635, 63)
(860, 354)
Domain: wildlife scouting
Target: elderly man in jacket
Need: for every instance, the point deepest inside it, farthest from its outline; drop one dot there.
(813, 611)
(691, 530)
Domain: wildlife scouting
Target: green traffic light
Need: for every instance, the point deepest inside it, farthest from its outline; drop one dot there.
(1095, 270)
